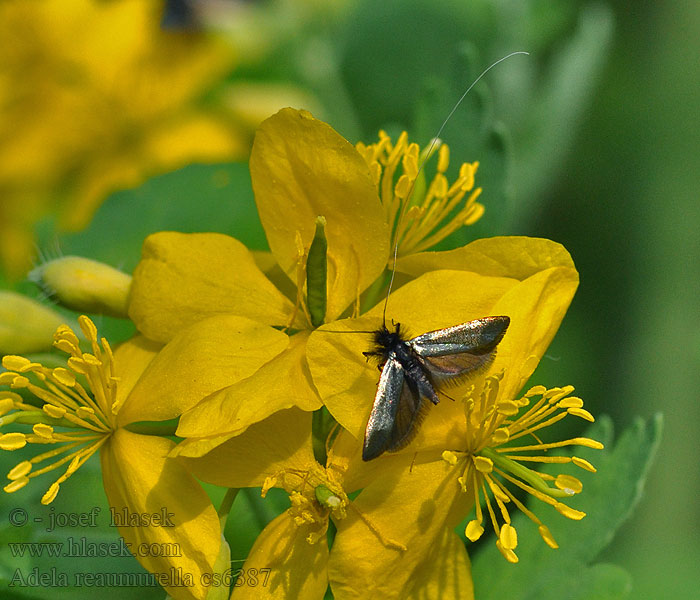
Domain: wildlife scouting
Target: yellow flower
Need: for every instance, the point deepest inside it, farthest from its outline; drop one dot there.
(96, 97)
(292, 549)
(530, 280)
(97, 402)
(305, 176)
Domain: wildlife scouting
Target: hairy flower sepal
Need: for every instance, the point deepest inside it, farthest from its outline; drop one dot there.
(84, 285)
(138, 382)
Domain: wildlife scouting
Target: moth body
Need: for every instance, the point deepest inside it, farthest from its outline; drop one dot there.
(414, 370)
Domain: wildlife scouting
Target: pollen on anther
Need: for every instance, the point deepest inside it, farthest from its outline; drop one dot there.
(51, 494)
(474, 530)
(43, 430)
(15, 485)
(15, 363)
(569, 484)
(12, 441)
(20, 470)
(583, 464)
(55, 412)
(508, 536)
(547, 537)
(64, 376)
(483, 464)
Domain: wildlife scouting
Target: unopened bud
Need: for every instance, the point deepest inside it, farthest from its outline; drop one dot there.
(85, 285)
(26, 325)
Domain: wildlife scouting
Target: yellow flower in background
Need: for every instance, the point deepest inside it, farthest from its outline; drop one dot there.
(96, 402)
(305, 176)
(96, 97)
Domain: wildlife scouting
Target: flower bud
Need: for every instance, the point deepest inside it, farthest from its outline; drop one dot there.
(85, 285)
(26, 325)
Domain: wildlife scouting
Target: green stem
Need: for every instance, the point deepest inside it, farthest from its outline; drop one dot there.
(226, 505)
(376, 292)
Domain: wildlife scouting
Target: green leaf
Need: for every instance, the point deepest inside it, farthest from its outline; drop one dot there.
(608, 499)
(472, 134)
(391, 47)
(556, 106)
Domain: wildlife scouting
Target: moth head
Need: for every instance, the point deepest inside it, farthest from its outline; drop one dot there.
(385, 341)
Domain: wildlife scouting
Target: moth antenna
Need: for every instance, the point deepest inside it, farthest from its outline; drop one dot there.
(426, 156)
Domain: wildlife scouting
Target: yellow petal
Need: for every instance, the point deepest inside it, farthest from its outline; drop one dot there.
(283, 382)
(517, 257)
(130, 361)
(184, 532)
(536, 307)
(286, 564)
(447, 575)
(207, 356)
(366, 562)
(183, 278)
(282, 441)
(301, 169)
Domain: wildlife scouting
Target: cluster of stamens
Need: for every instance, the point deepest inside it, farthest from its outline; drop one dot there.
(315, 494)
(84, 412)
(490, 460)
(428, 213)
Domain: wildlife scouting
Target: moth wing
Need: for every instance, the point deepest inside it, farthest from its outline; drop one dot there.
(410, 413)
(455, 352)
(394, 413)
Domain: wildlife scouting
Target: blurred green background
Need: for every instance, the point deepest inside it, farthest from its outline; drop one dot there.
(591, 141)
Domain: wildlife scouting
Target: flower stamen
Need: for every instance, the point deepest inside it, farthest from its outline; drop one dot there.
(490, 464)
(434, 211)
(89, 419)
